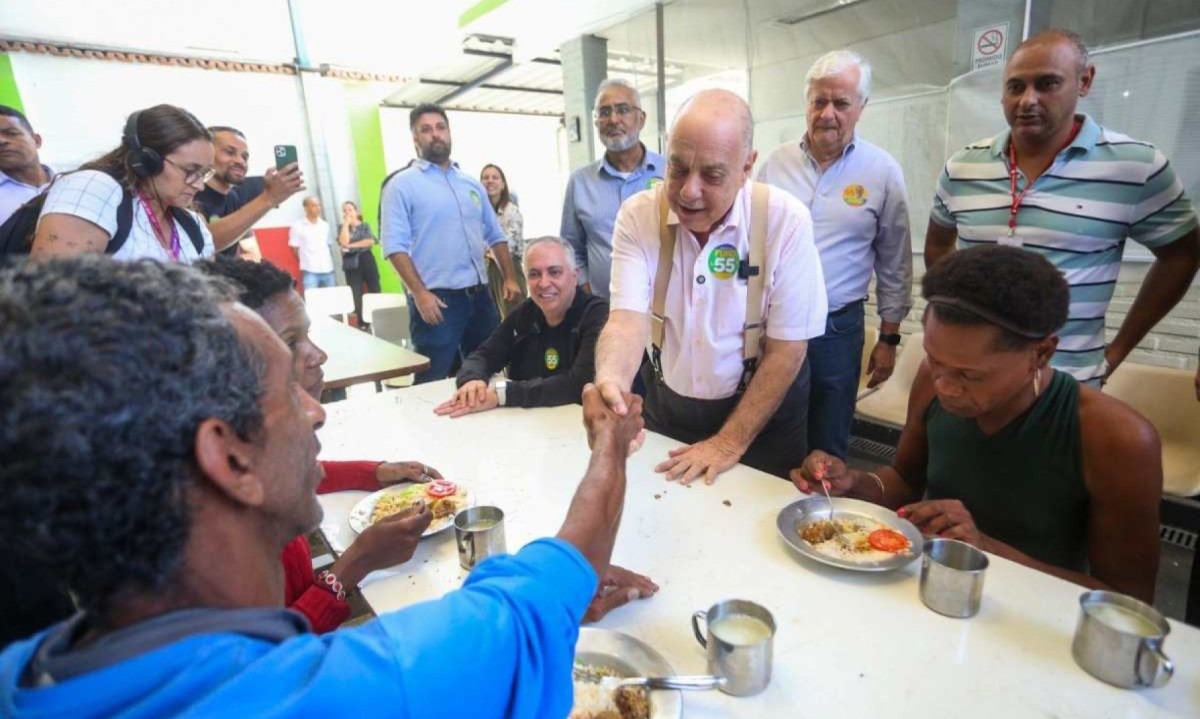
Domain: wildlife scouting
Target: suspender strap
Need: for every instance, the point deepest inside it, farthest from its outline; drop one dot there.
(756, 273)
(666, 262)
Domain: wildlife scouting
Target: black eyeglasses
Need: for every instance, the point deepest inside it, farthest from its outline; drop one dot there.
(620, 110)
(203, 174)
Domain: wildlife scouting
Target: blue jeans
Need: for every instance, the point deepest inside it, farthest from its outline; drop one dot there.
(317, 279)
(836, 360)
(468, 318)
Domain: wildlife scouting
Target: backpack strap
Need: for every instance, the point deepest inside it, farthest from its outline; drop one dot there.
(124, 223)
(755, 274)
(188, 221)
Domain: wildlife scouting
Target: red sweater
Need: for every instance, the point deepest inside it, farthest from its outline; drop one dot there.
(301, 593)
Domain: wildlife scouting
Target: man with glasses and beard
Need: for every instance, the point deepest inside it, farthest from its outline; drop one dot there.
(225, 202)
(595, 192)
(436, 223)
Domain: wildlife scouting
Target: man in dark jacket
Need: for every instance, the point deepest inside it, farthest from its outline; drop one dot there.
(547, 343)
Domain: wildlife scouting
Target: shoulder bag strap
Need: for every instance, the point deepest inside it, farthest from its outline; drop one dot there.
(662, 277)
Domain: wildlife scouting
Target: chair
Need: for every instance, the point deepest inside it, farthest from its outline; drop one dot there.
(329, 301)
(372, 301)
(1167, 398)
(392, 324)
(888, 403)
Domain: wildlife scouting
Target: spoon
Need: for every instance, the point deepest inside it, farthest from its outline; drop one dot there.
(700, 681)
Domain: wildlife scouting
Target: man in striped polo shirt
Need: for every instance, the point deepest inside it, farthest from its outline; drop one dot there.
(1059, 184)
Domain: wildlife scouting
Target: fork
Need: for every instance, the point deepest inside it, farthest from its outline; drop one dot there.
(700, 681)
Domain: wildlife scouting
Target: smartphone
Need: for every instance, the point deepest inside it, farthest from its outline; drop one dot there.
(284, 156)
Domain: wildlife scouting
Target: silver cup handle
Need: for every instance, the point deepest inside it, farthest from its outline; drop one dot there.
(1160, 668)
(696, 627)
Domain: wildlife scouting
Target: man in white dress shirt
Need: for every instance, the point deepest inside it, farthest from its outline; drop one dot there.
(859, 207)
(309, 240)
(725, 373)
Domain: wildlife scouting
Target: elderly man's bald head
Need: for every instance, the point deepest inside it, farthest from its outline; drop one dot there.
(709, 158)
(719, 106)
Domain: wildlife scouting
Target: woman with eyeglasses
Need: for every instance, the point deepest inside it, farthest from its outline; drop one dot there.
(135, 201)
(509, 216)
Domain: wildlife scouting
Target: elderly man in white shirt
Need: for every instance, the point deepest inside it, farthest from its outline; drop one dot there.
(859, 207)
(726, 369)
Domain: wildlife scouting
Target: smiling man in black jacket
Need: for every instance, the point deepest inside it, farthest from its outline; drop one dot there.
(547, 343)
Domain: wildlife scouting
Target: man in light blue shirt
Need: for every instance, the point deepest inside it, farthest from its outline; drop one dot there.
(595, 192)
(180, 592)
(437, 223)
(859, 207)
(22, 175)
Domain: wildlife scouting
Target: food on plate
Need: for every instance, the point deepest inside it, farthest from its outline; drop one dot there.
(594, 700)
(857, 539)
(444, 498)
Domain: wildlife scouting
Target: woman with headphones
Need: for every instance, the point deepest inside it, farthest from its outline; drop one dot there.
(134, 202)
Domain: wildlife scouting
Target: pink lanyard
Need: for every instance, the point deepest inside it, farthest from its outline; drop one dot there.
(174, 248)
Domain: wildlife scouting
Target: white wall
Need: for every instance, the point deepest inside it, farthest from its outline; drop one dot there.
(80, 106)
(531, 150)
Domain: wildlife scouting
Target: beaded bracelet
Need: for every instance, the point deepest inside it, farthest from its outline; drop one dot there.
(327, 580)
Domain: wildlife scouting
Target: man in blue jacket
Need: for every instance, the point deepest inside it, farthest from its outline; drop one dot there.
(164, 512)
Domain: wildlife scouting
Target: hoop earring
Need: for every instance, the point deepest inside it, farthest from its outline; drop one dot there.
(1037, 389)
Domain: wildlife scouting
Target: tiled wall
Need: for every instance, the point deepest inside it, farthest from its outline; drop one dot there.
(1172, 343)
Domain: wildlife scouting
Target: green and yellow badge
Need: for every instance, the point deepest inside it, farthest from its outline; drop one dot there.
(723, 262)
(855, 195)
(653, 182)
(551, 359)
(475, 198)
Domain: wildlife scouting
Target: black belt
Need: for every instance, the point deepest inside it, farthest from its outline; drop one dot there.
(846, 308)
(468, 291)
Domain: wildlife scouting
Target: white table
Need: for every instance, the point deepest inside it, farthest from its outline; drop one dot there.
(356, 356)
(848, 645)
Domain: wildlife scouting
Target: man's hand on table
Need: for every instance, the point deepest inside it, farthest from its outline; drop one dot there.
(881, 363)
(474, 396)
(389, 473)
(602, 421)
(386, 543)
(618, 587)
(709, 458)
(945, 518)
(820, 467)
(430, 307)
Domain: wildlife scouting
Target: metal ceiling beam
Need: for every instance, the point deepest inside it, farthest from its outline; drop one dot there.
(539, 113)
(489, 86)
(476, 81)
(505, 55)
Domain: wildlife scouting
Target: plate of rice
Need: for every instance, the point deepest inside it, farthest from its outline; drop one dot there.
(604, 653)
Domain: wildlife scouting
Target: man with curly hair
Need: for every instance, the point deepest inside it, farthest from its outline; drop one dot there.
(1003, 451)
(164, 512)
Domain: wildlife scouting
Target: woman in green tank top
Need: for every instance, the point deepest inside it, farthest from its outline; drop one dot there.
(1002, 451)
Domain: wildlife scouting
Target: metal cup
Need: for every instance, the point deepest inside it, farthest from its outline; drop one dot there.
(479, 532)
(952, 577)
(1119, 640)
(739, 650)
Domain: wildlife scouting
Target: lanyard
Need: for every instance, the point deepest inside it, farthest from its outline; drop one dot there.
(1012, 177)
(174, 248)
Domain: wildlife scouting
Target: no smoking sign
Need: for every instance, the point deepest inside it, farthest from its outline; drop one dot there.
(990, 46)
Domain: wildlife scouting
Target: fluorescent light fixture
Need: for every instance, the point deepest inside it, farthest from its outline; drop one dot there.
(813, 12)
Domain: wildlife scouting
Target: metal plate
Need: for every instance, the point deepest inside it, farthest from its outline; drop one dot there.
(630, 657)
(360, 515)
(799, 513)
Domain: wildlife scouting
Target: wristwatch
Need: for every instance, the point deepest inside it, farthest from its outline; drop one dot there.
(892, 339)
(502, 392)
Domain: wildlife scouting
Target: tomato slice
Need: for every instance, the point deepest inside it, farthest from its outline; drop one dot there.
(439, 488)
(887, 540)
